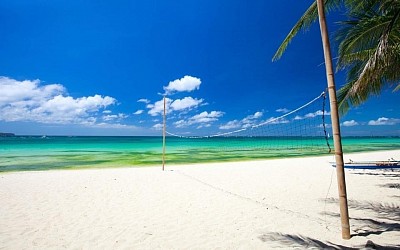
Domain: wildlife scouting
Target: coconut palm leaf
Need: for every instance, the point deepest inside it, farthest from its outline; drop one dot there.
(361, 34)
(308, 18)
(360, 6)
(369, 47)
(348, 59)
(372, 40)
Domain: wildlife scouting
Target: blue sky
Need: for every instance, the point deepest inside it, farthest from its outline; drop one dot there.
(100, 67)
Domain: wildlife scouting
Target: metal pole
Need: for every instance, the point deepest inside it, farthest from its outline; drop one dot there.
(164, 129)
(344, 212)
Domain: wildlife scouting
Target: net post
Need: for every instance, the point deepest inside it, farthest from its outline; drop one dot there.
(164, 130)
(344, 212)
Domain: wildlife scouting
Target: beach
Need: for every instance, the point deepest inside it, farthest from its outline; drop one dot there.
(277, 203)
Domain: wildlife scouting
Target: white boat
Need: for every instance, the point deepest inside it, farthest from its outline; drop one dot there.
(389, 164)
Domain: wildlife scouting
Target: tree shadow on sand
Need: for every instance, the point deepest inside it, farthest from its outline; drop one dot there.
(299, 241)
(388, 211)
(391, 185)
(369, 226)
(394, 173)
(375, 227)
(386, 219)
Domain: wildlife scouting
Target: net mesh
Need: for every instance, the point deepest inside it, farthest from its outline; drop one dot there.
(302, 131)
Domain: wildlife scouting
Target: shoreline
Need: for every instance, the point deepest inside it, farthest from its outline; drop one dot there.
(196, 163)
(285, 203)
(103, 152)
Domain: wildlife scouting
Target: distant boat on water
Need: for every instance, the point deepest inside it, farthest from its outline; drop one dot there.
(7, 134)
(389, 164)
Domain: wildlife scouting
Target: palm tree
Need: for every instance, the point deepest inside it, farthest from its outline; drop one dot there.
(369, 47)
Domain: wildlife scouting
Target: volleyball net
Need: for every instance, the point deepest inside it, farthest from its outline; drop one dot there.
(298, 132)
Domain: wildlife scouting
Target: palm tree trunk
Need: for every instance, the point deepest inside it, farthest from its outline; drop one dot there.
(344, 212)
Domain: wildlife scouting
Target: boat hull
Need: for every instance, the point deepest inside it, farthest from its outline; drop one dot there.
(370, 165)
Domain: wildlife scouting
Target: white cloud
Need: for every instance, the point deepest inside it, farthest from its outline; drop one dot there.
(256, 115)
(276, 120)
(311, 115)
(26, 92)
(349, 123)
(204, 126)
(112, 126)
(110, 117)
(246, 122)
(203, 118)
(138, 112)
(146, 101)
(187, 83)
(29, 101)
(298, 117)
(282, 110)
(181, 123)
(61, 103)
(250, 118)
(107, 112)
(118, 117)
(185, 103)
(384, 121)
(231, 125)
(327, 125)
(158, 107)
(158, 126)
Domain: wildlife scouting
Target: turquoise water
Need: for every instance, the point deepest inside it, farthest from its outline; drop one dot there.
(23, 153)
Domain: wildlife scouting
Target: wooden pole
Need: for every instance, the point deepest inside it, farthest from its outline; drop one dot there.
(164, 129)
(344, 212)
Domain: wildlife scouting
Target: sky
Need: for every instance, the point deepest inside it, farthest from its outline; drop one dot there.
(102, 67)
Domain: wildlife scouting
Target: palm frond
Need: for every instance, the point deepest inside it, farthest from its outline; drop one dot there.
(308, 18)
(387, 6)
(360, 6)
(345, 94)
(349, 59)
(369, 47)
(363, 34)
(347, 97)
(378, 65)
(343, 98)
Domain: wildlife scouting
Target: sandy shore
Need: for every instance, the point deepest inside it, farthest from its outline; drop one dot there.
(283, 203)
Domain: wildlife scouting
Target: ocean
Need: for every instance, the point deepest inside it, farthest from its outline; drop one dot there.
(24, 153)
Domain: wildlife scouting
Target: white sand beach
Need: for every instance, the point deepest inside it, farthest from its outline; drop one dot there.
(285, 203)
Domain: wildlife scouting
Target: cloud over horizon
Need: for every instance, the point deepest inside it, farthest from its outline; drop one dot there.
(186, 103)
(30, 101)
(204, 118)
(282, 110)
(312, 115)
(350, 123)
(384, 121)
(246, 122)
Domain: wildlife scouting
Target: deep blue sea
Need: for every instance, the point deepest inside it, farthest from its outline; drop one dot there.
(21, 153)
